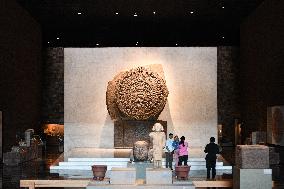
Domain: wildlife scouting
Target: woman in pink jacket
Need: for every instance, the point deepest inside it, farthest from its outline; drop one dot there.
(183, 152)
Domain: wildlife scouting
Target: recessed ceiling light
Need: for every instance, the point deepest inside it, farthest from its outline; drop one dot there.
(223, 7)
(97, 44)
(191, 12)
(223, 37)
(176, 44)
(154, 12)
(48, 42)
(116, 13)
(57, 38)
(135, 14)
(79, 13)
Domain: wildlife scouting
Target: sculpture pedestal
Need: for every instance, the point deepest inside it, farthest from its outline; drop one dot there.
(140, 168)
(122, 176)
(252, 178)
(159, 176)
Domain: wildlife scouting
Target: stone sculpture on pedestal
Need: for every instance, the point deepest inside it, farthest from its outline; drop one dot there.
(140, 151)
(158, 139)
(135, 98)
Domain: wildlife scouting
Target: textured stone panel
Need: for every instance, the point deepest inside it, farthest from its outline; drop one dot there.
(252, 156)
(126, 133)
(53, 86)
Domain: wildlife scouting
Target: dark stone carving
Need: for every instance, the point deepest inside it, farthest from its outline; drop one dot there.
(140, 151)
(137, 94)
(127, 132)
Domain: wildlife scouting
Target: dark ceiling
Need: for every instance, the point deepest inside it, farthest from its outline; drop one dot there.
(157, 22)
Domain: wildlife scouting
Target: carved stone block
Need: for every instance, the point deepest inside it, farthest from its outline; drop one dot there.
(252, 157)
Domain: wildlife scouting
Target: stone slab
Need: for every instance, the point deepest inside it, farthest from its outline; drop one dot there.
(122, 176)
(252, 178)
(140, 168)
(159, 176)
(252, 157)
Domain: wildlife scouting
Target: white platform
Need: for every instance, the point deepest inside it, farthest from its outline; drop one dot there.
(84, 158)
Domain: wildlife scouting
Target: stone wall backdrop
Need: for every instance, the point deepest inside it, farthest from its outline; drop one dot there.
(20, 71)
(262, 64)
(228, 88)
(53, 86)
(191, 78)
(228, 93)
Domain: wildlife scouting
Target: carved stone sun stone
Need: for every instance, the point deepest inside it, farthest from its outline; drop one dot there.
(138, 94)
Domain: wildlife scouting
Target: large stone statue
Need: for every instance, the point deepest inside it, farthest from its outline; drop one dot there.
(158, 139)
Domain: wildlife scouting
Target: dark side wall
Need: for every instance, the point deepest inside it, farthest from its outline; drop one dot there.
(20, 71)
(262, 63)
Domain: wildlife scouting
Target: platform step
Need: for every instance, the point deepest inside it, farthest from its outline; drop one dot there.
(122, 159)
(123, 163)
(86, 167)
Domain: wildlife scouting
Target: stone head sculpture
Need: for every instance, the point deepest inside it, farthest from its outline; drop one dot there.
(158, 127)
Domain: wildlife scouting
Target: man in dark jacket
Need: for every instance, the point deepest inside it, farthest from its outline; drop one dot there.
(211, 149)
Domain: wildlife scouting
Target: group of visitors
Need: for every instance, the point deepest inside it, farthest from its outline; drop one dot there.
(177, 149)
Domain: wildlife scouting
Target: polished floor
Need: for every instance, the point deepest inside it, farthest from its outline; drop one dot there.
(39, 169)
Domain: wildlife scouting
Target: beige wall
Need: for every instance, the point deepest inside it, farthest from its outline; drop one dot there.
(191, 76)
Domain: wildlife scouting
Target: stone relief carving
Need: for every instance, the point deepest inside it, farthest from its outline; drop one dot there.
(140, 151)
(137, 94)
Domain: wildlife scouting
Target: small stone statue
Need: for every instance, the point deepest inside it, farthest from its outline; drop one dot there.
(158, 139)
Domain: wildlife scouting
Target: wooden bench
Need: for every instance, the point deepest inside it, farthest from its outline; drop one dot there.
(216, 184)
(32, 184)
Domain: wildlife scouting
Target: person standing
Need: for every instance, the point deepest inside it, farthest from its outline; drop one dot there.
(169, 149)
(176, 149)
(183, 152)
(211, 149)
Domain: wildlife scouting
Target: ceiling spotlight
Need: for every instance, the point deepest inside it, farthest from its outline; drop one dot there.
(223, 7)
(223, 37)
(154, 12)
(79, 13)
(176, 44)
(48, 42)
(135, 14)
(57, 38)
(97, 44)
(116, 13)
(191, 12)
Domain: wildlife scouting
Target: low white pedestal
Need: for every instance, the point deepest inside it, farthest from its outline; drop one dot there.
(252, 178)
(122, 176)
(159, 176)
